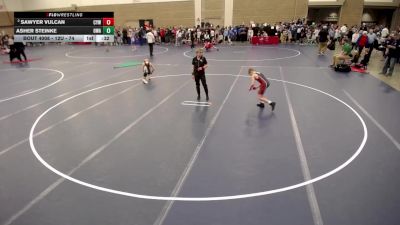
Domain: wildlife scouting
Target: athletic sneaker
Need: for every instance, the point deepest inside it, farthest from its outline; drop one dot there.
(198, 97)
(261, 105)
(144, 81)
(272, 104)
(207, 98)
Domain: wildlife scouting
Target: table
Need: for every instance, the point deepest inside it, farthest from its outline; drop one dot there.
(259, 40)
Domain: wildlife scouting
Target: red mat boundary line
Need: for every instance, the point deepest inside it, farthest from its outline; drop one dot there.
(23, 61)
(358, 70)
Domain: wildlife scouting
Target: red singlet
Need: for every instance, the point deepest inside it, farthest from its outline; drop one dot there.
(264, 83)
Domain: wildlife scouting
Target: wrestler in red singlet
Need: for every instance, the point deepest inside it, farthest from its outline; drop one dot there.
(264, 84)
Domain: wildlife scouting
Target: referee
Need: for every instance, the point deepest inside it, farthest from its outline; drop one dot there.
(150, 41)
(199, 65)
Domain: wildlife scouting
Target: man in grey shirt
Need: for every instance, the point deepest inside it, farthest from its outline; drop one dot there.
(371, 37)
(371, 42)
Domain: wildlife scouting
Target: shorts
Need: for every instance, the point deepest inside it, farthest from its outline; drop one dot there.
(263, 88)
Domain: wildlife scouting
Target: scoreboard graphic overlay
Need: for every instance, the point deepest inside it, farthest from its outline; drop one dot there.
(64, 26)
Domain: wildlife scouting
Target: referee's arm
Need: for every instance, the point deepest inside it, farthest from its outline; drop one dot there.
(205, 63)
(194, 67)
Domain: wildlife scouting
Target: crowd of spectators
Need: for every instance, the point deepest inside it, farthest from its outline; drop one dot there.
(363, 39)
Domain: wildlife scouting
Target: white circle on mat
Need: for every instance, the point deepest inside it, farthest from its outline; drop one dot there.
(297, 53)
(35, 90)
(198, 199)
(68, 54)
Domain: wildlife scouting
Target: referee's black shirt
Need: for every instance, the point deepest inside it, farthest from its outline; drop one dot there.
(199, 63)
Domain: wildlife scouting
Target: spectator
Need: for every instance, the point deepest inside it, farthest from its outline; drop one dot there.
(178, 39)
(392, 54)
(162, 35)
(372, 43)
(120, 40)
(362, 42)
(130, 36)
(323, 40)
(156, 36)
(284, 36)
(124, 35)
(212, 34)
(354, 38)
(140, 36)
(250, 34)
(344, 55)
(385, 32)
(343, 31)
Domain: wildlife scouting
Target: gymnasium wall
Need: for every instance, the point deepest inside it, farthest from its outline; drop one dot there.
(270, 11)
(396, 17)
(351, 12)
(379, 16)
(30, 5)
(6, 22)
(163, 14)
(328, 14)
(213, 11)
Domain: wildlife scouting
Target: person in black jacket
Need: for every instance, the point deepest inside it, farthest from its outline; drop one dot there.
(199, 63)
(323, 40)
(20, 50)
(14, 53)
(392, 54)
(192, 37)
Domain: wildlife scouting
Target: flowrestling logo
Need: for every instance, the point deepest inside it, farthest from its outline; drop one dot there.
(64, 15)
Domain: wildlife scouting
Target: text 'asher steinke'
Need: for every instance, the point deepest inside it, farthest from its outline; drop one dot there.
(35, 31)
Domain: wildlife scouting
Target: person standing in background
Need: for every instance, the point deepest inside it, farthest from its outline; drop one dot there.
(150, 41)
(323, 40)
(392, 54)
(212, 35)
(343, 31)
(162, 35)
(385, 33)
(130, 34)
(140, 36)
(192, 38)
(354, 38)
(124, 35)
(156, 36)
(250, 34)
(362, 42)
(372, 41)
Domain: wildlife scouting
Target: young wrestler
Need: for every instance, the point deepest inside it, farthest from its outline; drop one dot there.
(209, 45)
(148, 69)
(264, 84)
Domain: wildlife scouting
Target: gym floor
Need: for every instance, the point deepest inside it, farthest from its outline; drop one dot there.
(85, 143)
